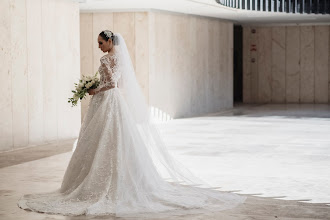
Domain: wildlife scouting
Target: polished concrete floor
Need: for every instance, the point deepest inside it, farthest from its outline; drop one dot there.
(276, 155)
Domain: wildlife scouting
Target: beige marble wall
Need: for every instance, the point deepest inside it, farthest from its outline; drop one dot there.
(254, 66)
(293, 67)
(307, 64)
(183, 63)
(292, 64)
(264, 64)
(277, 64)
(39, 64)
(191, 71)
(321, 64)
(247, 86)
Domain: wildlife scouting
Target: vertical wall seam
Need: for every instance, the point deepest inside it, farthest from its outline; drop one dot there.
(300, 64)
(57, 138)
(27, 72)
(42, 84)
(299, 100)
(134, 24)
(92, 38)
(250, 65)
(255, 41)
(257, 63)
(149, 36)
(135, 57)
(11, 76)
(285, 70)
(285, 62)
(149, 15)
(271, 62)
(314, 98)
(271, 65)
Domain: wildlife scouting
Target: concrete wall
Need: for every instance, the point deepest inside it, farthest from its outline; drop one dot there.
(182, 62)
(39, 62)
(291, 64)
(191, 65)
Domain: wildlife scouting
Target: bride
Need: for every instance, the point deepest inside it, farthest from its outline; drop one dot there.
(120, 165)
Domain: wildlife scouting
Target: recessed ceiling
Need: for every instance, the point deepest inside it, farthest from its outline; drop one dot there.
(207, 8)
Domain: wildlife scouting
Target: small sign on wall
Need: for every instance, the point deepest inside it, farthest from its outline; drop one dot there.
(253, 47)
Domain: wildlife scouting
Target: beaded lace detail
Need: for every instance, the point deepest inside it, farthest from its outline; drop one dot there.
(109, 73)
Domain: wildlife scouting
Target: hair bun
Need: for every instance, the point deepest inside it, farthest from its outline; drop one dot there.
(115, 39)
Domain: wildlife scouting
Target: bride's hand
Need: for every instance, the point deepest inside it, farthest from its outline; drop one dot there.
(92, 91)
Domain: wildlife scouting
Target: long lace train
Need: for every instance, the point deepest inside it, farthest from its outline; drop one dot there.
(112, 173)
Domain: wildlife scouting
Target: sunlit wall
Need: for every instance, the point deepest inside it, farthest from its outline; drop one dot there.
(39, 62)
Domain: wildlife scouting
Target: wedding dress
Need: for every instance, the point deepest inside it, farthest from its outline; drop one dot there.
(120, 165)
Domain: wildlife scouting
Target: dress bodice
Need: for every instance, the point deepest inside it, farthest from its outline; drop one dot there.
(109, 73)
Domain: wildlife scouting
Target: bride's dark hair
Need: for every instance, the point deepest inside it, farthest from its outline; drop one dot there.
(106, 35)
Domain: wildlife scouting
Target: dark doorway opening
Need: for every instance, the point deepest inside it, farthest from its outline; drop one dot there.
(238, 63)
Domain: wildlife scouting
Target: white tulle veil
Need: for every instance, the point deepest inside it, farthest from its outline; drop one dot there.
(129, 86)
(184, 187)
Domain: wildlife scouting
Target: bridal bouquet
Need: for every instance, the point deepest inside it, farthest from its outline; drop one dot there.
(87, 82)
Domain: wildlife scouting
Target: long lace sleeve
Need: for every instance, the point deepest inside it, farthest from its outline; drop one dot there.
(109, 73)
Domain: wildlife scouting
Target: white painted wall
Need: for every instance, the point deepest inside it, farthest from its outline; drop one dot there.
(39, 61)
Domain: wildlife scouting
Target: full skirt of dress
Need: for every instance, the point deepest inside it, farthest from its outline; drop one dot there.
(111, 172)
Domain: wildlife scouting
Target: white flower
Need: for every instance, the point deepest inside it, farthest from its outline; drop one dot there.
(88, 85)
(80, 86)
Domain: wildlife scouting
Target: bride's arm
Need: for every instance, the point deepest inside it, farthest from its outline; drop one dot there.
(108, 69)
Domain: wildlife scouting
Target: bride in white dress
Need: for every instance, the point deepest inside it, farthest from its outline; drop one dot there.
(120, 165)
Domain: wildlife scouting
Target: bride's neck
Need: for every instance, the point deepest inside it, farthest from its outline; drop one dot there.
(111, 51)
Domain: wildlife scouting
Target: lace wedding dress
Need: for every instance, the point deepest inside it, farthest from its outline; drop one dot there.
(120, 165)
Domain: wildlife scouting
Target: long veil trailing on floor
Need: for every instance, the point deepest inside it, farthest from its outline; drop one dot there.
(143, 121)
(121, 166)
